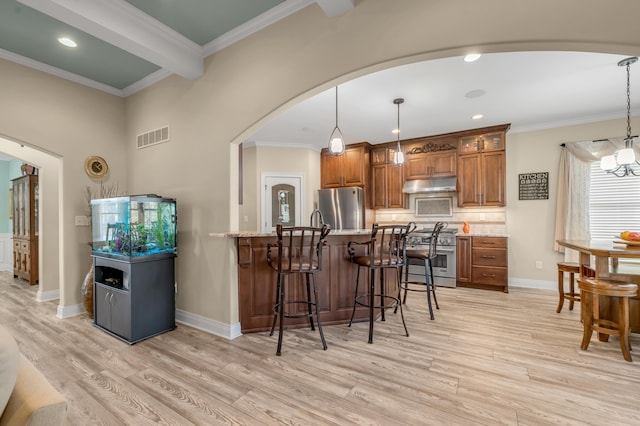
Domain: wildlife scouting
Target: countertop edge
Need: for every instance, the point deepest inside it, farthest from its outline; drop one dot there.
(273, 234)
(483, 234)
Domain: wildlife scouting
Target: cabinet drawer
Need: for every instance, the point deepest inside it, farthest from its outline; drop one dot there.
(496, 242)
(489, 276)
(489, 257)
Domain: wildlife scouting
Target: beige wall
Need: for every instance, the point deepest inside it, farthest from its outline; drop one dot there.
(247, 84)
(531, 224)
(64, 123)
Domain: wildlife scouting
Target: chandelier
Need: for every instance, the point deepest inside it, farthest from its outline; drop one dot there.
(621, 163)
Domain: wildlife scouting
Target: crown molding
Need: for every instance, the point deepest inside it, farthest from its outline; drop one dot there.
(289, 7)
(40, 66)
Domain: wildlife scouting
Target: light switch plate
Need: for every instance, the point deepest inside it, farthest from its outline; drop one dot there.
(82, 220)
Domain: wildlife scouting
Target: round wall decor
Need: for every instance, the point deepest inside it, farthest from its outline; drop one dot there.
(96, 167)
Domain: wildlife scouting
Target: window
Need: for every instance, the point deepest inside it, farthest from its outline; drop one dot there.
(614, 204)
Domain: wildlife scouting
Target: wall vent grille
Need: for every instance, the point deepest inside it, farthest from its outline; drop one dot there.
(154, 137)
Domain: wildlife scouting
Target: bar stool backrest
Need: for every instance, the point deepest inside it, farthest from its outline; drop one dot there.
(299, 249)
(433, 241)
(388, 244)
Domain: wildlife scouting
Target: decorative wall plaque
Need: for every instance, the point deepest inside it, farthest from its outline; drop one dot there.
(534, 186)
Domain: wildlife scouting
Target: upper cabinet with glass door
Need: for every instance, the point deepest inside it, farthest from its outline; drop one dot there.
(475, 144)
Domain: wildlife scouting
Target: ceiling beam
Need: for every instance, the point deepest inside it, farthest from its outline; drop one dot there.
(333, 8)
(126, 27)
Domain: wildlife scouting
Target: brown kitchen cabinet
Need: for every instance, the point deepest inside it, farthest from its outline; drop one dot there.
(482, 262)
(463, 260)
(387, 179)
(25, 228)
(430, 165)
(349, 169)
(481, 170)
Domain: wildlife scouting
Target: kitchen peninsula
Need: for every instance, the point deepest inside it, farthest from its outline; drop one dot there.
(336, 281)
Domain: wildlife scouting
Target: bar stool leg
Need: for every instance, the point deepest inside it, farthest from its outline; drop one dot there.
(275, 311)
(372, 287)
(399, 303)
(309, 310)
(355, 296)
(428, 278)
(315, 295)
(281, 315)
(406, 283)
(433, 284)
(383, 293)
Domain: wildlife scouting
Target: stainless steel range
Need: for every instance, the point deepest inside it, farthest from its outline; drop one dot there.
(444, 264)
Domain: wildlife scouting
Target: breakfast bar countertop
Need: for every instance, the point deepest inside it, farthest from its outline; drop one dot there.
(253, 234)
(483, 234)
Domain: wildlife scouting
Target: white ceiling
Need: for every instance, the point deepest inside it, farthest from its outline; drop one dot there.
(530, 90)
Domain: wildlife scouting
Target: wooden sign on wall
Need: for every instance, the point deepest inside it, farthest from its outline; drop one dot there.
(534, 186)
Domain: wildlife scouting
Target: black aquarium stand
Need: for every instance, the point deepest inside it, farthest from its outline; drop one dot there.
(134, 300)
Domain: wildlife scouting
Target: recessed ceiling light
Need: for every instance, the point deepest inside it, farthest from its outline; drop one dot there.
(472, 57)
(477, 116)
(474, 93)
(67, 42)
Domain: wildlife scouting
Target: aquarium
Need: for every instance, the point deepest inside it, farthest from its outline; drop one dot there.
(134, 227)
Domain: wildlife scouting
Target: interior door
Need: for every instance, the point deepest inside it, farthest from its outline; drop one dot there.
(281, 201)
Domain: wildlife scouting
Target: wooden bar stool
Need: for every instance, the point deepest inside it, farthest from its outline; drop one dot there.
(385, 250)
(298, 252)
(591, 289)
(573, 269)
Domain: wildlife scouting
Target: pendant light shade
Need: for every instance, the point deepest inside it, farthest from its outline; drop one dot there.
(623, 162)
(398, 157)
(336, 141)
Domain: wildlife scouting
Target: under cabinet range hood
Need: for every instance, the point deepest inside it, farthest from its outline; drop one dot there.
(443, 184)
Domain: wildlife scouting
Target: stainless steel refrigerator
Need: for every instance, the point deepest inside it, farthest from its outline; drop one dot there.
(342, 208)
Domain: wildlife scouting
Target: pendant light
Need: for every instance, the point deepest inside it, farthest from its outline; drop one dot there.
(398, 156)
(336, 141)
(621, 164)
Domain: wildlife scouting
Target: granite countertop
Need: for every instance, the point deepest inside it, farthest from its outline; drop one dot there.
(483, 234)
(251, 234)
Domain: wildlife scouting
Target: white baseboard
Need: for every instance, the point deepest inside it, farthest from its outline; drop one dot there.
(529, 283)
(228, 331)
(70, 311)
(46, 296)
(6, 252)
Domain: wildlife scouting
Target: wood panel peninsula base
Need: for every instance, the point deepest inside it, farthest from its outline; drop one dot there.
(336, 283)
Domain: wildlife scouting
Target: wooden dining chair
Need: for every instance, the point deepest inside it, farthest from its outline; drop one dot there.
(591, 290)
(573, 269)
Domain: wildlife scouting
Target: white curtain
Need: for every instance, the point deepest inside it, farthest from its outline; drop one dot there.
(574, 181)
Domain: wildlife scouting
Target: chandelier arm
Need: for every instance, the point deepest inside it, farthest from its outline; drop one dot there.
(628, 101)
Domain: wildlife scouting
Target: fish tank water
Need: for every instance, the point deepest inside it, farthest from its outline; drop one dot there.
(137, 227)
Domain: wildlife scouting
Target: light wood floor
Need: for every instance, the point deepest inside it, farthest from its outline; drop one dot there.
(488, 358)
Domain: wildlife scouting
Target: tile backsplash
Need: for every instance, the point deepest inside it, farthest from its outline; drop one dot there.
(482, 220)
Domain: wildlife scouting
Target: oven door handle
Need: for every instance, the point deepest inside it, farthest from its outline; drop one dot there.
(444, 250)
